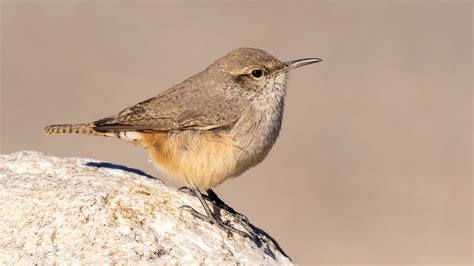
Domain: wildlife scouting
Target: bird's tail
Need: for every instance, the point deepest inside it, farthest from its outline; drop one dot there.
(84, 129)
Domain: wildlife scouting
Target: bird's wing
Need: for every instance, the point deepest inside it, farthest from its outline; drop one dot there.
(181, 107)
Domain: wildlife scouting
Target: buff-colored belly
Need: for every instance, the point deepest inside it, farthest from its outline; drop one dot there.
(193, 158)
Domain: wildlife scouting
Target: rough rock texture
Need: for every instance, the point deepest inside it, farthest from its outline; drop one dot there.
(70, 210)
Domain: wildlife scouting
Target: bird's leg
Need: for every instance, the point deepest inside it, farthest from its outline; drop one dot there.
(210, 217)
(211, 196)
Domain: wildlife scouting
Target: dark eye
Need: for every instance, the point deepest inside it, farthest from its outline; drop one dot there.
(257, 73)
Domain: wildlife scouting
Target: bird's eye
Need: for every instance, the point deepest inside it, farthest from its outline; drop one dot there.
(257, 73)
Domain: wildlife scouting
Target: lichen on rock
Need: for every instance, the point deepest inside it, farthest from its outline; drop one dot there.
(72, 210)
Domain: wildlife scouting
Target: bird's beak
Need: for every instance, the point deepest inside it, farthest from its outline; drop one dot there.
(300, 62)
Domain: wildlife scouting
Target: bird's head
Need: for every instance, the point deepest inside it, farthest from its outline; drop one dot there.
(257, 70)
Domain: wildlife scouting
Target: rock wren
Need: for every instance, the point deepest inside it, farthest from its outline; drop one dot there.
(210, 127)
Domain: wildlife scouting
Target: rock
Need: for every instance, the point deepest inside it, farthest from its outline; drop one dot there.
(70, 210)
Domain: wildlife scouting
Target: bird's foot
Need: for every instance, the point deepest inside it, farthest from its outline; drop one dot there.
(213, 220)
(212, 197)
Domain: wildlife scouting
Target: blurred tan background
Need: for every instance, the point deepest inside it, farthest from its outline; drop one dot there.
(373, 164)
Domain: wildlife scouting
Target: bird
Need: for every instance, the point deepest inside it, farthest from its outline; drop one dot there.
(210, 127)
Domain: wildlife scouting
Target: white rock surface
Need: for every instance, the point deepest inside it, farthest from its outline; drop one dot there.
(70, 210)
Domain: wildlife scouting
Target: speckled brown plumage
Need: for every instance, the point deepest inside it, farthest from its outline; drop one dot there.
(210, 99)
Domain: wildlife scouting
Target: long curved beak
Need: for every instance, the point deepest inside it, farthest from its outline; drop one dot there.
(300, 62)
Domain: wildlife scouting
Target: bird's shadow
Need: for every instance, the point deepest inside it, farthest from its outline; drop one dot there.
(119, 167)
(264, 239)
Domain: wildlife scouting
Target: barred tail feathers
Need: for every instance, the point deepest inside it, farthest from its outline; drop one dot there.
(88, 129)
(83, 129)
